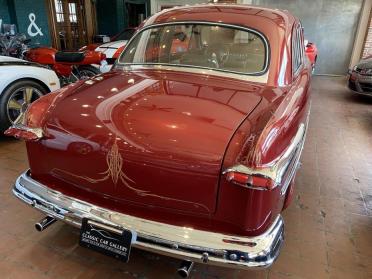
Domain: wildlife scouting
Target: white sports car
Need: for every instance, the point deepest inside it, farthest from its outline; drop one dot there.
(114, 48)
(21, 83)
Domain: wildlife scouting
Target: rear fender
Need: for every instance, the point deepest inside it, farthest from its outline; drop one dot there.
(258, 144)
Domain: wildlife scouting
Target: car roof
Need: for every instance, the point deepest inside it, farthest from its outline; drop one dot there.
(275, 25)
(235, 14)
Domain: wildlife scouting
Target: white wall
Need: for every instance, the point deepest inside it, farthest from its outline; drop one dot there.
(330, 24)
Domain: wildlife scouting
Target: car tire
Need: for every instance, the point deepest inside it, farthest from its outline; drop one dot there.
(15, 99)
(87, 71)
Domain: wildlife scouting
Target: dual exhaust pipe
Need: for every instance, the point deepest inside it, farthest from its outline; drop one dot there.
(183, 271)
(44, 223)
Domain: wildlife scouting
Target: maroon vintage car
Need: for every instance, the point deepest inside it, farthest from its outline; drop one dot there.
(192, 148)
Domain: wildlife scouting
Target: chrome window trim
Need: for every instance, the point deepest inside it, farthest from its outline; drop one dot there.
(259, 34)
(206, 72)
(298, 50)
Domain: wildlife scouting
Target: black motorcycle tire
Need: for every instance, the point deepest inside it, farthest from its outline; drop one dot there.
(86, 72)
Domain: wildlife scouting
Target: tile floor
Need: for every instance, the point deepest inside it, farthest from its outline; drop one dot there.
(328, 225)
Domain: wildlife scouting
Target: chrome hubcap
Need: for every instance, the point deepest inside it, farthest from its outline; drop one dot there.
(19, 102)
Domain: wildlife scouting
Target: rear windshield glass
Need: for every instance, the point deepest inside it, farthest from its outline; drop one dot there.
(199, 45)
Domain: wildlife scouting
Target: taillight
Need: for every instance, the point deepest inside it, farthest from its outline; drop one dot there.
(279, 172)
(37, 111)
(118, 52)
(23, 132)
(250, 180)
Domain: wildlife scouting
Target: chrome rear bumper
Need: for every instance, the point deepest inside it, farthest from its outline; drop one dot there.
(360, 84)
(175, 241)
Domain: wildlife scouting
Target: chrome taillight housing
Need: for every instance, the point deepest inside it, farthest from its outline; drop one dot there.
(277, 173)
(249, 180)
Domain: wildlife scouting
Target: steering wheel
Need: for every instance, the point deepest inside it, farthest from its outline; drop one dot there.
(220, 52)
(224, 56)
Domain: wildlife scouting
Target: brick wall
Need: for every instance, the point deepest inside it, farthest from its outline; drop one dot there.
(367, 50)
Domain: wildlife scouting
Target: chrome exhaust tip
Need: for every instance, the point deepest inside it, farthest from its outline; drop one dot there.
(185, 269)
(44, 223)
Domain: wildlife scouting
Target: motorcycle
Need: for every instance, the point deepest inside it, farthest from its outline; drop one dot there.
(13, 45)
(69, 66)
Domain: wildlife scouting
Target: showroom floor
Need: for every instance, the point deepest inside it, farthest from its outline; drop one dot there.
(328, 225)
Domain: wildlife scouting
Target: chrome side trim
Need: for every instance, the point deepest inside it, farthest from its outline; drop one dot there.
(21, 63)
(175, 241)
(195, 70)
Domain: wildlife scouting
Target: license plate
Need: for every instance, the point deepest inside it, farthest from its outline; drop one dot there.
(106, 239)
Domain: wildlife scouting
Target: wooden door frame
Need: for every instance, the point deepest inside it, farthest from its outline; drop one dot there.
(89, 21)
(52, 24)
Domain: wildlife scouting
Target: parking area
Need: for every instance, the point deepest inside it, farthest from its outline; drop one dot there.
(328, 225)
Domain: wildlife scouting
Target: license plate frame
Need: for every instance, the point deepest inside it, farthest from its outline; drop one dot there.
(106, 239)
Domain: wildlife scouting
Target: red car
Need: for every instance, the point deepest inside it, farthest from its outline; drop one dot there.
(198, 145)
(312, 53)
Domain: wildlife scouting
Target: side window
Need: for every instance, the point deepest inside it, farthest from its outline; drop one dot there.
(297, 48)
(294, 51)
(302, 43)
(181, 38)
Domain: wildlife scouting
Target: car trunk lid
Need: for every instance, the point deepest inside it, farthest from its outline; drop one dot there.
(153, 138)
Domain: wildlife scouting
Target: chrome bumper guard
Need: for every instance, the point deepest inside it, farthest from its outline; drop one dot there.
(175, 241)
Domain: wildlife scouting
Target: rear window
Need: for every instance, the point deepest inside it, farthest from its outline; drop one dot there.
(216, 47)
